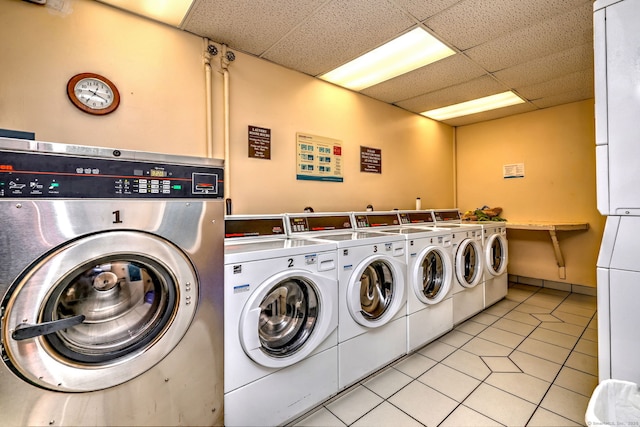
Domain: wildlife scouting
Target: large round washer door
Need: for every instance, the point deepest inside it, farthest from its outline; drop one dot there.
(496, 254)
(287, 318)
(376, 291)
(431, 275)
(468, 263)
(99, 311)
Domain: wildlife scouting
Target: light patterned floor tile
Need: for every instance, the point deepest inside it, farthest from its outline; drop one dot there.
(555, 338)
(513, 326)
(482, 347)
(544, 350)
(467, 363)
(470, 327)
(544, 418)
(590, 334)
(587, 347)
(566, 403)
(562, 327)
(485, 319)
(577, 381)
(500, 364)
(500, 405)
(387, 382)
(546, 317)
(437, 350)
(467, 417)
(583, 362)
(544, 301)
(536, 366)
(449, 382)
(502, 337)
(572, 318)
(385, 415)
(525, 386)
(354, 404)
(321, 418)
(414, 365)
(577, 310)
(518, 295)
(519, 316)
(423, 403)
(532, 309)
(455, 338)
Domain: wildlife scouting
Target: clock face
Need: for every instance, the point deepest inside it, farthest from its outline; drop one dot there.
(93, 94)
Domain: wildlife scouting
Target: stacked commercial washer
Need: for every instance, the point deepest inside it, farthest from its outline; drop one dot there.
(111, 285)
(617, 55)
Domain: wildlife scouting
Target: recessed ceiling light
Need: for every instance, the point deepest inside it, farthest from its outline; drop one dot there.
(479, 105)
(408, 52)
(170, 12)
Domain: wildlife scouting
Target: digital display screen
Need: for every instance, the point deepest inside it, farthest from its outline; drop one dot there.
(158, 173)
(377, 220)
(418, 217)
(253, 227)
(446, 215)
(330, 222)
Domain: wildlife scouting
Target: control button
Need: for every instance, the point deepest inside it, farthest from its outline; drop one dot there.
(142, 190)
(79, 170)
(95, 171)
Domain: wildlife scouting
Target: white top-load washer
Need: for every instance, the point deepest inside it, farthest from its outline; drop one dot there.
(467, 249)
(429, 272)
(281, 318)
(371, 308)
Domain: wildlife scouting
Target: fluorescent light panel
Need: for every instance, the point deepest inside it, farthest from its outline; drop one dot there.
(408, 52)
(479, 105)
(170, 12)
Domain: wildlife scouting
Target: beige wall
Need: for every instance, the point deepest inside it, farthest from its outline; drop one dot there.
(556, 146)
(158, 71)
(160, 74)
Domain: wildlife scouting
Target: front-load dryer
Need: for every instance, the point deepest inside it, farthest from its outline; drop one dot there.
(281, 315)
(371, 306)
(467, 250)
(112, 287)
(496, 258)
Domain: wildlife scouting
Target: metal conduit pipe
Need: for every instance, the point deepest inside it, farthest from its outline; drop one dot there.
(209, 118)
(225, 59)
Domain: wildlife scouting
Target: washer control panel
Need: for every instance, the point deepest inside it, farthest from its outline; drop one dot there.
(49, 175)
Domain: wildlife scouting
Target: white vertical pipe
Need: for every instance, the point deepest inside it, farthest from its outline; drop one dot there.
(227, 162)
(209, 100)
(455, 168)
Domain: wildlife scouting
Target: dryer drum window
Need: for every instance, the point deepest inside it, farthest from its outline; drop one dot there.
(497, 255)
(288, 314)
(376, 289)
(432, 274)
(126, 304)
(470, 259)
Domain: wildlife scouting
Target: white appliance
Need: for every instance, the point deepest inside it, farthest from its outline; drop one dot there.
(281, 318)
(618, 296)
(467, 248)
(617, 54)
(429, 272)
(496, 258)
(371, 307)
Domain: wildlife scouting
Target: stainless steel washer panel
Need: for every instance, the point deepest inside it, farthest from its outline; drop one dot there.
(181, 387)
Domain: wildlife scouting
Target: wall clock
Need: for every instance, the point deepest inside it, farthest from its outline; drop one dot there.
(93, 93)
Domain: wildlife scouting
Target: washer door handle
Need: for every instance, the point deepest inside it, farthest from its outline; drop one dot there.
(25, 330)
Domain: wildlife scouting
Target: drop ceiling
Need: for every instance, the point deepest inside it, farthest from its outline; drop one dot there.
(540, 49)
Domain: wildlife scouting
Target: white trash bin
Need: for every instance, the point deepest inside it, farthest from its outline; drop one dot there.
(614, 403)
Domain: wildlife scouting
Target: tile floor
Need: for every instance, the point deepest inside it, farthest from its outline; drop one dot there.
(528, 360)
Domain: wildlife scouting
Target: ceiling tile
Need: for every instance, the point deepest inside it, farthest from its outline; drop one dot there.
(477, 88)
(337, 33)
(249, 26)
(548, 67)
(563, 98)
(446, 72)
(567, 83)
(422, 10)
(473, 22)
(491, 115)
(570, 29)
